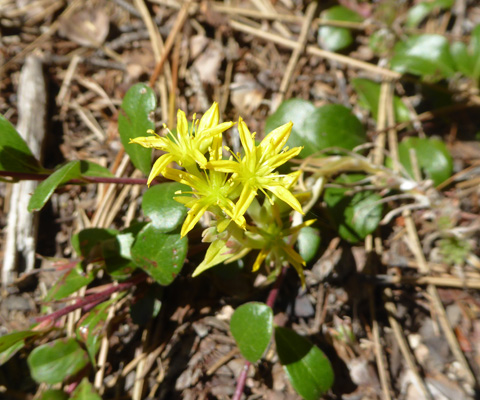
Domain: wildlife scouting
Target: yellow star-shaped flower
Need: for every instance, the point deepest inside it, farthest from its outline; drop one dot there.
(256, 170)
(188, 146)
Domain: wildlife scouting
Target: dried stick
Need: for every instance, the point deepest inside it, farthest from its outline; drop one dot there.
(297, 51)
(180, 21)
(316, 51)
(21, 232)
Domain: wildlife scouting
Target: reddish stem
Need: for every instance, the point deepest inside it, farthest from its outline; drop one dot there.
(272, 296)
(83, 180)
(93, 298)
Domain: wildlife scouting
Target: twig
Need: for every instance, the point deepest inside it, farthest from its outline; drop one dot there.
(180, 21)
(316, 51)
(297, 51)
(93, 298)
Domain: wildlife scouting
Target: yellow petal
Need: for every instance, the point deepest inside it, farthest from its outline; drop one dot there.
(149, 142)
(246, 198)
(286, 196)
(224, 166)
(159, 166)
(259, 260)
(182, 126)
(247, 142)
(193, 216)
(276, 139)
(209, 119)
(280, 159)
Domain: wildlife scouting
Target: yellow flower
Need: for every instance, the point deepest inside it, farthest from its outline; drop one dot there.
(211, 191)
(256, 170)
(187, 147)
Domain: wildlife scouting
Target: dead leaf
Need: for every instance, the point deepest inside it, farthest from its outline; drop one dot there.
(208, 63)
(88, 27)
(247, 94)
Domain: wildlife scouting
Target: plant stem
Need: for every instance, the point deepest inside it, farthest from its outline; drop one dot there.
(272, 296)
(94, 298)
(23, 176)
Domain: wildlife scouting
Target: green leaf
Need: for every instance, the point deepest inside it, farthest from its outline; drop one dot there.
(307, 368)
(69, 283)
(425, 55)
(369, 98)
(417, 13)
(332, 125)
(147, 305)
(87, 243)
(14, 153)
(117, 252)
(297, 111)
(354, 216)
(13, 338)
(251, 326)
(308, 242)
(382, 41)
(54, 394)
(85, 391)
(334, 38)
(159, 254)
(11, 351)
(318, 128)
(432, 155)
(46, 188)
(467, 60)
(134, 120)
(56, 361)
(91, 328)
(89, 168)
(158, 204)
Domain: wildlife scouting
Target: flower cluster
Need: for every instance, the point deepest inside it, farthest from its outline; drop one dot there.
(225, 187)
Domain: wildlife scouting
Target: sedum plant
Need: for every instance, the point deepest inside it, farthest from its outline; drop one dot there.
(229, 189)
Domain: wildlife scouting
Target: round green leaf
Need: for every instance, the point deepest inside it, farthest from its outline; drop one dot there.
(332, 125)
(15, 155)
(425, 55)
(354, 216)
(318, 128)
(297, 111)
(308, 242)
(85, 391)
(158, 204)
(87, 243)
(467, 60)
(251, 326)
(56, 361)
(307, 368)
(418, 12)
(134, 120)
(159, 254)
(433, 158)
(46, 188)
(334, 38)
(54, 394)
(117, 252)
(369, 96)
